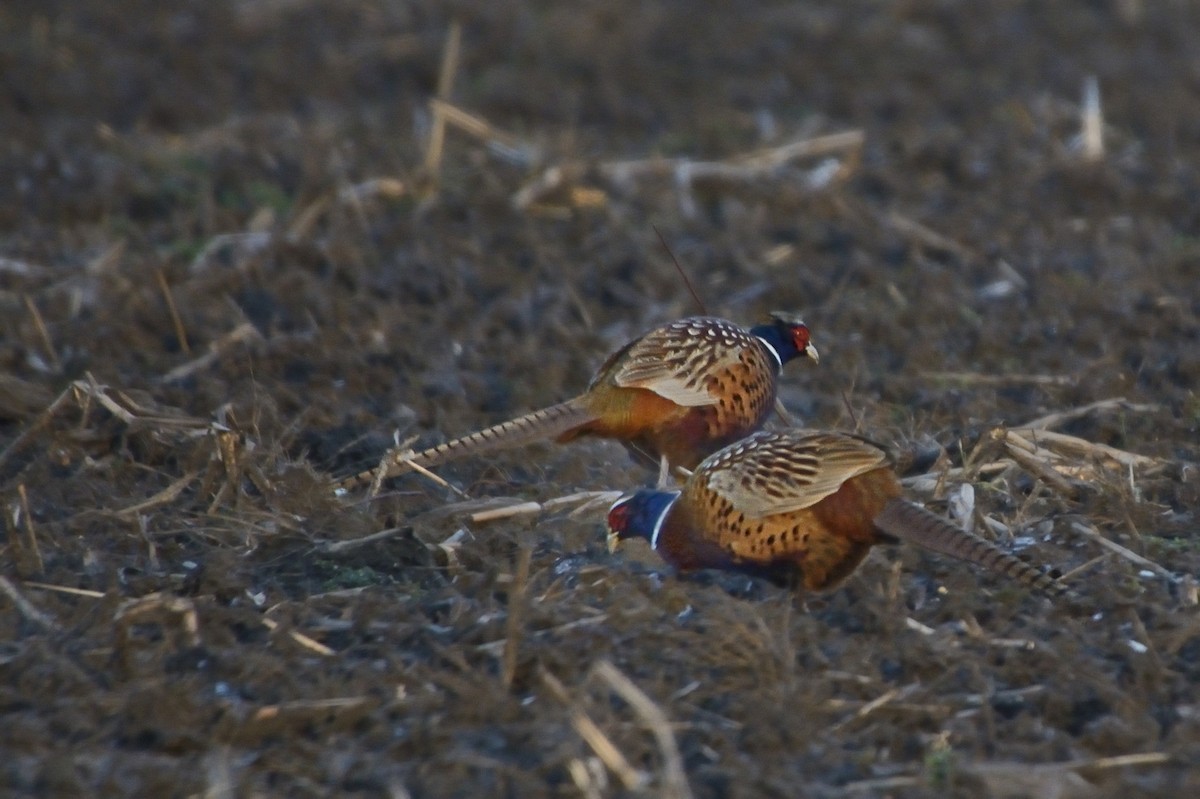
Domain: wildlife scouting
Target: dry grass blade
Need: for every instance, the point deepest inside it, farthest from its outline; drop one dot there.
(164, 497)
(468, 507)
(1072, 446)
(932, 482)
(602, 499)
(675, 784)
(132, 413)
(600, 743)
(397, 460)
(65, 589)
(308, 643)
(31, 540)
(25, 607)
(242, 333)
(584, 500)
(516, 612)
(1034, 461)
(337, 547)
(499, 142)
(496, 648)
(449, 68)
(1057, 458)
(747, 166)
(507, 512)
(1123, 761)
(1069, 576)
(176, 320)
(500, 508)
(1059, 418)
(683, 275)
(741, 169)
(26, 435)
(826, 144)
(43, 333)
(305, 220)
(875, 704)
(976, 378)
(929, 237)
(386, 188)
(94, 390)
(243, 245)
(1009, 695)
(419, 469)
(449, 547)
(1125, 552)
(309, 707)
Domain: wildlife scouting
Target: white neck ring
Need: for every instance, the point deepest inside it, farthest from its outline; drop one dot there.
(771, 349)
(661, 518)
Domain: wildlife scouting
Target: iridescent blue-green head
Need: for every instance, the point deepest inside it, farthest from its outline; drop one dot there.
(786, 337)
(639, 515)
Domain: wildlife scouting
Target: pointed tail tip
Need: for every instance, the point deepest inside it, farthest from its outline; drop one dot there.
(341, 486)
(1047, 584)
(1043, 581)
(546, 423)
(910, 522)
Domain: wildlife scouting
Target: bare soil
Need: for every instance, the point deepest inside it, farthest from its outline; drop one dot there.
(228, 275)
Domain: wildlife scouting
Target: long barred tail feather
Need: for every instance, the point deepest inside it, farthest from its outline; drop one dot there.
(916, 525)
(542, 424)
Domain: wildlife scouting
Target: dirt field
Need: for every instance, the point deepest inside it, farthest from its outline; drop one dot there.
(233, 267)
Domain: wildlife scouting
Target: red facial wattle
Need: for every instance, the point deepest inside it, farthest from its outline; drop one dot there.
(800, 337)
(618, 518)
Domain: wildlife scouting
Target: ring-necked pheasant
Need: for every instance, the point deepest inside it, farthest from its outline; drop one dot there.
(799, 507)
(679, 393)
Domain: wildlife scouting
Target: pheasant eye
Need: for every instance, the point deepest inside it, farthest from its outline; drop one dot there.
(800, 337)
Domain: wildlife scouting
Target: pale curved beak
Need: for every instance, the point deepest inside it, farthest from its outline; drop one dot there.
(811, 352)
(613, 540)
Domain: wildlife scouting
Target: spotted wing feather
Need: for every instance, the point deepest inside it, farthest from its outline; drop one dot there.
(674, 361)
(770, 473)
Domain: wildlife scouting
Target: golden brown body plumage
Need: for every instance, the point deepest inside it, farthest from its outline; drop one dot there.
(801, 507)
(682, 391)
(679, 392)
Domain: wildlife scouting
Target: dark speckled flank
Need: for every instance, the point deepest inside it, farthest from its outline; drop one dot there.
(803, 507)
